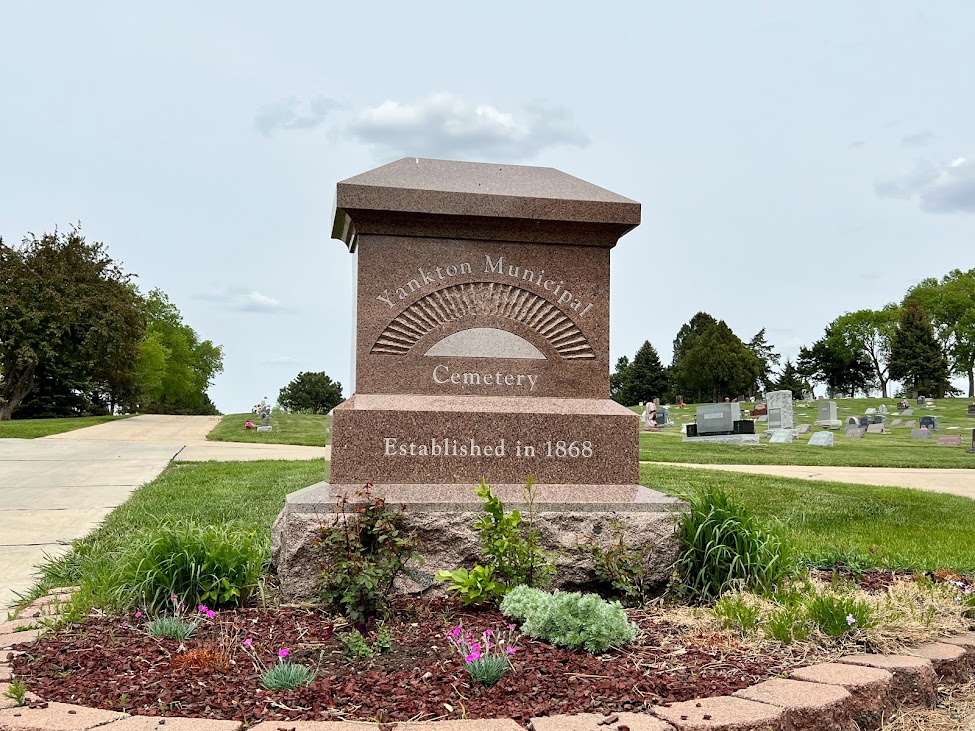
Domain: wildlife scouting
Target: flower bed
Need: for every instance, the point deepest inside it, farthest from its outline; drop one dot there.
(105, 663)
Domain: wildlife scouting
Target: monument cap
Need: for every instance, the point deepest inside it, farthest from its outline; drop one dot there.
(446, 199)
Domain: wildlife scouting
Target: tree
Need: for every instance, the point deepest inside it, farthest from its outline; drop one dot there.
(791, 380)
(915, 356)
(645, 378)
(767, 359)
(687, 336)
(315, 393)
(175, 368)
(869, 332)
(617, 378)
(840, 368)
(718, 365)
(951, 305)
(69, 312)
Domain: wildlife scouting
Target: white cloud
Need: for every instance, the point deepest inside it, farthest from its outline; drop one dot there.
(443, 125)
(242, 300)
(937, 187)
(293, 114)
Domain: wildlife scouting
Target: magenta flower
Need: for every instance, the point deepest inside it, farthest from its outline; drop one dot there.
(138, 614)
(211, 614)
(472, 657)
(202, 608)
(476, 647)
(283, 652)
(488, 632)
(248, 642)
(510, 650)
(174, 598)
(455, 632)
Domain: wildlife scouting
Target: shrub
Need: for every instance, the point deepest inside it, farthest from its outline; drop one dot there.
(574, 620)
(511, 546)
(524, 601)
(286, 676)
(170, 627)
(476, 586)
(723, 547)
(217, 565)
(355, 645)
(487, 658)
(623, 568)
(362, 553)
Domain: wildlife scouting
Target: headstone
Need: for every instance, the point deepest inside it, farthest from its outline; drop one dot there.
(714, 419)
(910, 423)
(804, 428)
(971, 411)
(264, 428)
(481, 352)
(782, 436)
(878, 419)
(907, 412)
(852, 421)
(760, 410)
(781, 402)
(826, 411)
(855, 432)
(875, 429)
(949, 440)
(663, 417)
(821, 439)
(921, 400)
(897, 422)
(920, 434)
(882, 409)
(870, 411)
(972, 450)
(929, 422)
(763, 418)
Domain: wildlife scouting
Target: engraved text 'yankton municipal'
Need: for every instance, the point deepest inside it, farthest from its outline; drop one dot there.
(431, 276)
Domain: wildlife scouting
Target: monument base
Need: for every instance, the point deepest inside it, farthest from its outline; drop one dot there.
(442, 518)
(829, 423)
(726, 439)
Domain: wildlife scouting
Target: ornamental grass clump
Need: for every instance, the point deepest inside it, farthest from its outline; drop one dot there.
(724, 547)
(216, 565)
(488, 657)
(283, 675)
(577, 621)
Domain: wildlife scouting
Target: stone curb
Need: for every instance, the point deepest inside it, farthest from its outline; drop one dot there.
(855, 689)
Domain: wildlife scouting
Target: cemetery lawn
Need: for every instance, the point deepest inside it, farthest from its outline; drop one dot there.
(862, 526)
(310, 430)
(895, 448)
(35, 428)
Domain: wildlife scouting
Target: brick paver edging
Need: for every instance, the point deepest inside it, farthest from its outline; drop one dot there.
(823, 697)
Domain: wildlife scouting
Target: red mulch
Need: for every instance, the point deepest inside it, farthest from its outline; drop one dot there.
(105, 663)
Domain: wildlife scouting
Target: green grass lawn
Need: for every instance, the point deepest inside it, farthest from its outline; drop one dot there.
(895, 448)
(34, 428)
(887, 527)
(312, 430)
(248, 495)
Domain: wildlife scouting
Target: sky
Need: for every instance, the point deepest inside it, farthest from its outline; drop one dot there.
(795, 161)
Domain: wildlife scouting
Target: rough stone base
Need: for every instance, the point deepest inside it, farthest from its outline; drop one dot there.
(442, 518)
(829, 423)
(727, 439)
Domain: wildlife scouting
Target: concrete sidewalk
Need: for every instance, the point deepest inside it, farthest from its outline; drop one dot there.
(54, 492)
(951, 481)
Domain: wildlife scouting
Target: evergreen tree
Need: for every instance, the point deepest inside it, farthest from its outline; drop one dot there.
(767, 359)
(719, 365)
(791, 380)
(313, 393)
(680, 376)
(645, 378)
(617, 378)
(916, 359)
(843, 370)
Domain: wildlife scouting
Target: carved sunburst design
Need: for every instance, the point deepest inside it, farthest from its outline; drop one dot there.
(490, 299)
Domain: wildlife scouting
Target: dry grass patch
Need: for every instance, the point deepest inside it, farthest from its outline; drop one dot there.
(955, 712)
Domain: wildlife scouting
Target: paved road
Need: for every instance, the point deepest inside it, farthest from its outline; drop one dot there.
(56, 489)
(953, 481)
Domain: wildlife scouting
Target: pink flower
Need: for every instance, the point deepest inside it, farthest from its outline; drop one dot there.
(476, 647)
(283, 652)
(510, 650)
(473, 656)
(211, 614)
(511, 626)
(455, 632)
(202, 608)
(174, 598)
(488, 632)
(138, 614)
(248, 642)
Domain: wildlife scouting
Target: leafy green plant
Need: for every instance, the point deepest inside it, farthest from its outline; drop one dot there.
(839, 615)
(384, 639)
(736, 613)
(362, 553)
(170, 627)
(510, 544)
(578, 621)
(622, 567)
(355, 645)
(524, 601)
(16, 691)
(286, 676)
(724, 547)
(476, 586)
(486, 658)
(217, 565)
(788, 624)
